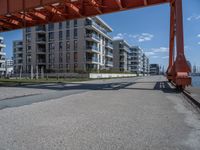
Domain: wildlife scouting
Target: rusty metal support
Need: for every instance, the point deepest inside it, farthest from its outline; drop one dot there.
(180, 70)
(171, 41)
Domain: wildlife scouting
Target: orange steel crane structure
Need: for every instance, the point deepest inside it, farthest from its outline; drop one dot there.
(16, 14)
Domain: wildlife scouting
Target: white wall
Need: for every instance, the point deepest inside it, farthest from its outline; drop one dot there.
(109, 75)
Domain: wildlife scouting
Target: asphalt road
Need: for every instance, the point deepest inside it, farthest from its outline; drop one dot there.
(118, 114)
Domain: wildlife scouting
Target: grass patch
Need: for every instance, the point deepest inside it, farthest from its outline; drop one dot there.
(15, 82)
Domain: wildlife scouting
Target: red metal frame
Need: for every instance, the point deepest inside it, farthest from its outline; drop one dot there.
(178, 70)
(16, 14)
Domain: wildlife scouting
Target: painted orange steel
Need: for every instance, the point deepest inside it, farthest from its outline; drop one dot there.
(17, 14)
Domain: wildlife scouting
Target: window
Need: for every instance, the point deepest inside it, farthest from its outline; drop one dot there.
(67, 24)
(51, 47)
(51, 36)
(28, 37)
(68, 57)
(60, 25)
(75, 23)
(60, 46)
(75, 33)
(28, 29)
(75, 67)
(60, 58)
(75, 56)
(67, 67)
(67, 46)
(51, 27)
(67, 34)
(75, 45)
(60, 35)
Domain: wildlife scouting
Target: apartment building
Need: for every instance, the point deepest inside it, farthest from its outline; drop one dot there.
(2, 57)
(136, 60)
(154, 69)
(70, 46)
(145, 64)
(121, 55)
(17, 56)
(9, 67)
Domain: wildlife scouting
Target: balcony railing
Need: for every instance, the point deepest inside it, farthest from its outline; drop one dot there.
(92, 47)
(109, 45)
(41, 61)
(40, 29)
(109, 54)
(93, 59)
(109, 62)
(41, 40)
(96, 25)
(93, 36)
(41, 50)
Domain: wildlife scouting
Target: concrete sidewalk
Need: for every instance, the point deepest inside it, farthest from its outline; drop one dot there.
(138, 114)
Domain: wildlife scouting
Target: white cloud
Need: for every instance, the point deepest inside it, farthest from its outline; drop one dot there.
(154, 56)
(139, 37)
(149, 53)
(144, 37)
(119, 36)
(193, 17)
(198, 35)
(198, 43)
(160, 50)
(157, 52)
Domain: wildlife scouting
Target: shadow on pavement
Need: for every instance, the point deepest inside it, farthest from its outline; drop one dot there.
(79, 86)
(159, 86)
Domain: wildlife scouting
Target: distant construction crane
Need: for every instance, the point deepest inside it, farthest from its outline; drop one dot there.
(16, 14)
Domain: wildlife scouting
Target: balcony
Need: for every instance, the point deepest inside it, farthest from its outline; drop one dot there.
(109, 45)
(41, 29)
(2, 60)
(92, 48)
(109, 63)
(109, 54)
(92, 23)
(41, 50)
(2, 45)
(41, 61)
(2, 69)
(2, 53)
(92, 37)
(41, 40)
(92, 60)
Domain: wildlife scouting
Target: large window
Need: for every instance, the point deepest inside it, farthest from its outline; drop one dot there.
(67, 24)
(51, 36)
(60, 46)
(67, 34)
(67, 45)
(51, 27)
(75, 23)
(68, 57)
(75, 33)
(60, 25)
(75, 45)
(60, 35)
(75, 56)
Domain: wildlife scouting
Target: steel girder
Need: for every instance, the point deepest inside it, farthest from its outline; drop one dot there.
(16, 14)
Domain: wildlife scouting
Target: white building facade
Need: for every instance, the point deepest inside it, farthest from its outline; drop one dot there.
(81, 45)
(2, 57)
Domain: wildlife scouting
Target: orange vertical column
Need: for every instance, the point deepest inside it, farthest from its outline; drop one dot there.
(180, 68)
(171, 42)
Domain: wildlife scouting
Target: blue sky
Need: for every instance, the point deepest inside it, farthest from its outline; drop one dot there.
(147, 28)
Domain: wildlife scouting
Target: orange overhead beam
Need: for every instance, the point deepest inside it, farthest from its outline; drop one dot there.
(35, 12)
